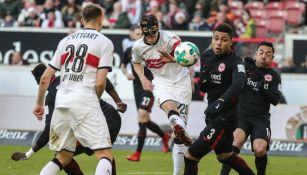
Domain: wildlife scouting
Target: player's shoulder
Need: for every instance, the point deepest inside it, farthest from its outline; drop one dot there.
(274, 73)
(167, 35)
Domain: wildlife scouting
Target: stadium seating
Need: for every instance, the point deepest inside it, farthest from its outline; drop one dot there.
(276, 21)
(295, 11)
(261, 28)
(254, 6)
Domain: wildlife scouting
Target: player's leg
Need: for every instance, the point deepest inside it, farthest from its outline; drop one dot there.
(91, 130)
(143, 118)
(165, 136)
(73, 168)
(62, 140)
(199, 148)
(239, 139)
(177, 123)
(223, 149)
(261, 136)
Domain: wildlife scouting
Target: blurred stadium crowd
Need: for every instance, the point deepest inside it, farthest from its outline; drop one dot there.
(250, 19)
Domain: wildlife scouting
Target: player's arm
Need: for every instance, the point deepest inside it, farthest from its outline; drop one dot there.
(43, 86)
(124, 62)
(271, 90)
(139, 69)
(101, 81)
(238, 82)
(121, 106)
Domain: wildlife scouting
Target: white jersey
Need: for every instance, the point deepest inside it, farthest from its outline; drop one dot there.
(78, 57)
(166, 72)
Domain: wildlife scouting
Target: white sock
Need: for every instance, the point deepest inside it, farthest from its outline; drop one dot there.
(178, 157)
(50, 169)
(175, 119)
(104, 167)
(30, 153)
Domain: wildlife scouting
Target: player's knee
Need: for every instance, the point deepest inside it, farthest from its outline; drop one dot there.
(143, 116)
(259, 150)
(104, 153)
(63, 157)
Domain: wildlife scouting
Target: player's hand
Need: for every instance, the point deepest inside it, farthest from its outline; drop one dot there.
(121, 107)
(214, 108)
(130, 77)
(166, 57)
(38, 111)
(19, 156)
(146, 84)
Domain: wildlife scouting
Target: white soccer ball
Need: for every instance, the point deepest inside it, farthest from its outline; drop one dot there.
(186, 54)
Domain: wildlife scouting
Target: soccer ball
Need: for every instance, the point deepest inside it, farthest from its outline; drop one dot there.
(186, 54)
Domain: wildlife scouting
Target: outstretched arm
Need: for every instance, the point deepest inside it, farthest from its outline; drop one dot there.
(139, 69)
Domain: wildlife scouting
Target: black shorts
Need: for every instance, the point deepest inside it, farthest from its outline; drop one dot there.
(143, 99)
(256, 128)
(114, 123)
(213, 137)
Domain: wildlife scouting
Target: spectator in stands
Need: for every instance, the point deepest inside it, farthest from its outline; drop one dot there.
(181, 21)
(249, 25)
(52, 21)
(162, 24)
(28, 7)
(154, 7)
(8, 21)
(11, 8)
(119, 19)
(198, 23)
(49, 7)
(173, 9)
(225, 9)
(134, 9)
(107, 5)
(71, 13)
(16, 59)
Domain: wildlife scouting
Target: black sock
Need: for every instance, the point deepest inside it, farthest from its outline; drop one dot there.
(73, 168)
(113, 167)
(57, 162)
(141, 136)
(238, 164)
(191, 167)
(172, 112)
(261, 163)
(155, 128)
(226, 168)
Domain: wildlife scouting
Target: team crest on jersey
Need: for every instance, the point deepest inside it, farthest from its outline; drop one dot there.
(222, 67)
(268, 77)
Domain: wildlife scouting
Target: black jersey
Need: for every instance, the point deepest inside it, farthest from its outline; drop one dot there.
(260, 91)
(222, 77)
(127, 58)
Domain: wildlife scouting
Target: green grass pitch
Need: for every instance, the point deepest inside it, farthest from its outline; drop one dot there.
(152, 163)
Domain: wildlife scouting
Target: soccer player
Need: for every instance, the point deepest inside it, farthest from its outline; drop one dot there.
(222, 77)
(144, 101)
(260, 91)
(84, 59)
(171, 84)
(112, 117)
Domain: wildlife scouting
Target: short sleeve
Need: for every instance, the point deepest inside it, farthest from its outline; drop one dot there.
(173, 41)
(136, 58)
(106, 58)
(56, 60)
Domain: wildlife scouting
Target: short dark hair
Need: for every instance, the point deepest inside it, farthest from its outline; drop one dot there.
(225, 28)
(91, 12)
(266, 43)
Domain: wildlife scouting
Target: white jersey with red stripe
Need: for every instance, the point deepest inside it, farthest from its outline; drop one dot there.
(149, 55)
(78, 56)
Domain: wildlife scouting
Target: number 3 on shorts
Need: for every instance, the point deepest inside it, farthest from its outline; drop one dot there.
(209, 136)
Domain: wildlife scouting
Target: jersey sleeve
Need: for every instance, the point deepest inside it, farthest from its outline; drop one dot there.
(126, 58)
(173, 42)
(56, 60)
(238, 80)
(106, 58)
(136, 57)
(273, 92)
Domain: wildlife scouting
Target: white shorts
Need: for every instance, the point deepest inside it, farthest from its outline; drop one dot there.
(180, 92)
(69, 125)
